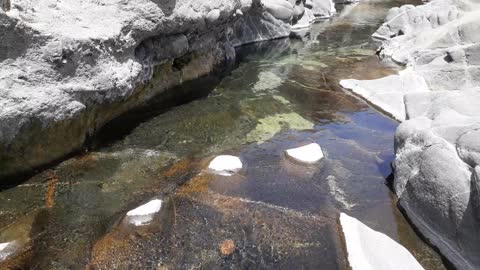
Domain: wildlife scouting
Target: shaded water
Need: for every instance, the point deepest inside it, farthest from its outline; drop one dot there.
(273, 214)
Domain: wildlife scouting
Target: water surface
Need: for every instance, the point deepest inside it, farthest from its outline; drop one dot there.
(273, 214)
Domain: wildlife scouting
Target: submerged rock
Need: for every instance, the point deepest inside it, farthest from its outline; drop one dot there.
(308, 154)
(371, 250)
(271, 125)
(226, 165)
(438, 98)
(267, 80)
(223, 231)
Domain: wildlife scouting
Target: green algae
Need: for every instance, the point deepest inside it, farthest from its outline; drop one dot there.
(271, 125)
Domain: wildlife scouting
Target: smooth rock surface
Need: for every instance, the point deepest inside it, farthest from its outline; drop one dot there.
(225, 165)
(308, 154)
(388, 93)
(371, 250)
(437, 153)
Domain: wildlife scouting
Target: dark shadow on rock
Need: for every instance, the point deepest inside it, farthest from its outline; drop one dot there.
(389, 181)
(16, 38)
(176, 96)
(5, 5)
(468, 235)
(167, 6)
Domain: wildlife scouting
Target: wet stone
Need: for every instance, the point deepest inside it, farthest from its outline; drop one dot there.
(144, 214)
(307, 154)
(225, 165)
(258, 235)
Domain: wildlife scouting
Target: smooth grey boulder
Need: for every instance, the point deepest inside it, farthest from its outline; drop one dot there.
(281, 10)
(69, 67)
(437, 156)
(437, 146)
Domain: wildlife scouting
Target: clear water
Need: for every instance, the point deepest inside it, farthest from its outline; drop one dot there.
(273, 214)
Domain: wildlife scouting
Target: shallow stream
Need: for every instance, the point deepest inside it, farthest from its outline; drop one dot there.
(273, 214)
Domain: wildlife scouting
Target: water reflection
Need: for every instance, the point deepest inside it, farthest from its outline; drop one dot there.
(272, 213)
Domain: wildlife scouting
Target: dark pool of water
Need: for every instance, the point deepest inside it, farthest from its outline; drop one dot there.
(275, 214)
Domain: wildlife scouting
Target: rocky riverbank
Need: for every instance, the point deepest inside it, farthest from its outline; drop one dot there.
(437, 98)
(68, 68)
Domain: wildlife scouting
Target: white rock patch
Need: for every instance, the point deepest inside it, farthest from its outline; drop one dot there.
(306, 154)
(3, 246)
(142, 215)
(225, 165)
(6, 250)
(388, 93)
(371, 250)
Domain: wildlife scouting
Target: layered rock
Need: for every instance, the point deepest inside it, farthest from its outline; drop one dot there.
(438, 98)
(67, 68)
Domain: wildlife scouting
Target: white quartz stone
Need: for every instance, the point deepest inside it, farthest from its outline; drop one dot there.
(143, 214)
(306, 154)
(226, 165)
(371, 250)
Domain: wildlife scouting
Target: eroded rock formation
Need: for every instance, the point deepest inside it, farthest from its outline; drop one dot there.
(437, 172)
(67, 68)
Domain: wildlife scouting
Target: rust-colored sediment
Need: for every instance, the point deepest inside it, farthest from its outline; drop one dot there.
(198, 184)
(105, 248)
(180, 168)
(185, 166)
(52, 185)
